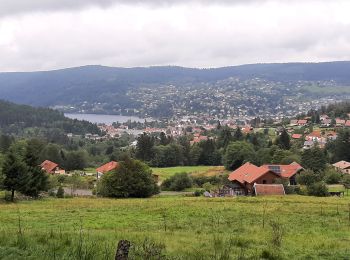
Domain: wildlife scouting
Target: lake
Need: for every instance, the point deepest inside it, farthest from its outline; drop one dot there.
(103, 119)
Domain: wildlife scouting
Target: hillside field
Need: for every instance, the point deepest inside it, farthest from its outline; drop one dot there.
(167, 172)
(289, 227)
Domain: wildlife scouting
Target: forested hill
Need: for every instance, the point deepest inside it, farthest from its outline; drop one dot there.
(109, 85)
(20, 119)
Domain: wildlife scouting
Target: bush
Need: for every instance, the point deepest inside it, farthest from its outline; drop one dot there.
(198, 193)
(308, 177)
(131, 179)
(60, 192)
(332, 176)
(178, 182)
(318, 189)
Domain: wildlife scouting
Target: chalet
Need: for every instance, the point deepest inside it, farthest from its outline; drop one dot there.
(269, 189)
(51, 167)
(347, 124)
(342, 166)
(112, 165)
(302, 122)
(244, 178)
(314, 136)
(288, 171)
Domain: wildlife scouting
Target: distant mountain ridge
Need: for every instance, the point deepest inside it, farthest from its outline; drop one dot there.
(94, 82)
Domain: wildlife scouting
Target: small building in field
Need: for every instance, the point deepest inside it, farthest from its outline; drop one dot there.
(244, 178)
(51, 167)
(110, 166)
(342, 166)
(268, 189)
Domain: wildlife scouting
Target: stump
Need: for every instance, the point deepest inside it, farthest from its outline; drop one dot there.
(122, 250)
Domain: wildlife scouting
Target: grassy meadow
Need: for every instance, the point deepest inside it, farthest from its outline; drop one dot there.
(288, 227)
(167, 172)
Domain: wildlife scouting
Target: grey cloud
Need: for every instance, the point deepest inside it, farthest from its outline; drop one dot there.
(13, 7)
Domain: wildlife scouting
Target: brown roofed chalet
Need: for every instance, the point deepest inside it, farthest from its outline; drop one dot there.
(248, 173)
(48, 166)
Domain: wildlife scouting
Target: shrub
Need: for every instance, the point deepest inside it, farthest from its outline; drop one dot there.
(207, 186)
(318, 189)
(60, 192)
(332, 176)
(178, 182)
(307, 177)
(131, 179)
(198, 193)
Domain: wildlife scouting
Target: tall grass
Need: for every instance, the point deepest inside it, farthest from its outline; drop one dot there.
(289, 227)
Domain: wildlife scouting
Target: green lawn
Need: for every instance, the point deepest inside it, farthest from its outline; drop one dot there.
(288, 227)
(165, 173)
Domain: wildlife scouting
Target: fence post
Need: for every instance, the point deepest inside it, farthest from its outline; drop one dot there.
(122, 250)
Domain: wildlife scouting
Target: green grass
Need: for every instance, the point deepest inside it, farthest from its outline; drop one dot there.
(288, 227)
(165, 173)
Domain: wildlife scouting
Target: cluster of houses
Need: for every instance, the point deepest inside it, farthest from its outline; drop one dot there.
(53, 168)
(248, 179)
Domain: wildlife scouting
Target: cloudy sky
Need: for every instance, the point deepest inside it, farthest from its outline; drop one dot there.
(50, 34)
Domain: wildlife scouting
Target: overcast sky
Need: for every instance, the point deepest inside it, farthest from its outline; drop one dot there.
(51, 34)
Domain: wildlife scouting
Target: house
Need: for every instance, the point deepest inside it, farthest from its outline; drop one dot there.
(339, 122)
(302, 122)
(112, 165)
(51, 167)
(308, 144)
(342, 166)
(297, 136)
(244, 178)
(286, 171)
(326, 122)
(347, 124)
(269, 189)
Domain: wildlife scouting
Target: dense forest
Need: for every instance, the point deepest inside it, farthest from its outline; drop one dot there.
(27, 121)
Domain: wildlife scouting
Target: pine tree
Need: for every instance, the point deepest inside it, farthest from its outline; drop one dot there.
(284, 140)
(15, 174)
(238, 134)
(37, 179)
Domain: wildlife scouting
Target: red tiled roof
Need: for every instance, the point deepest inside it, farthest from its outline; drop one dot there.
(248, 173)
(340, 121)
(342, 165)
(296, 136)
(107, 167)
(269, 189)
(48, 166)
(286, 171)
(302, 121)
(315, 134)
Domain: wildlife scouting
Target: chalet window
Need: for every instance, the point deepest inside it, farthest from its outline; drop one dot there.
(264, 181)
